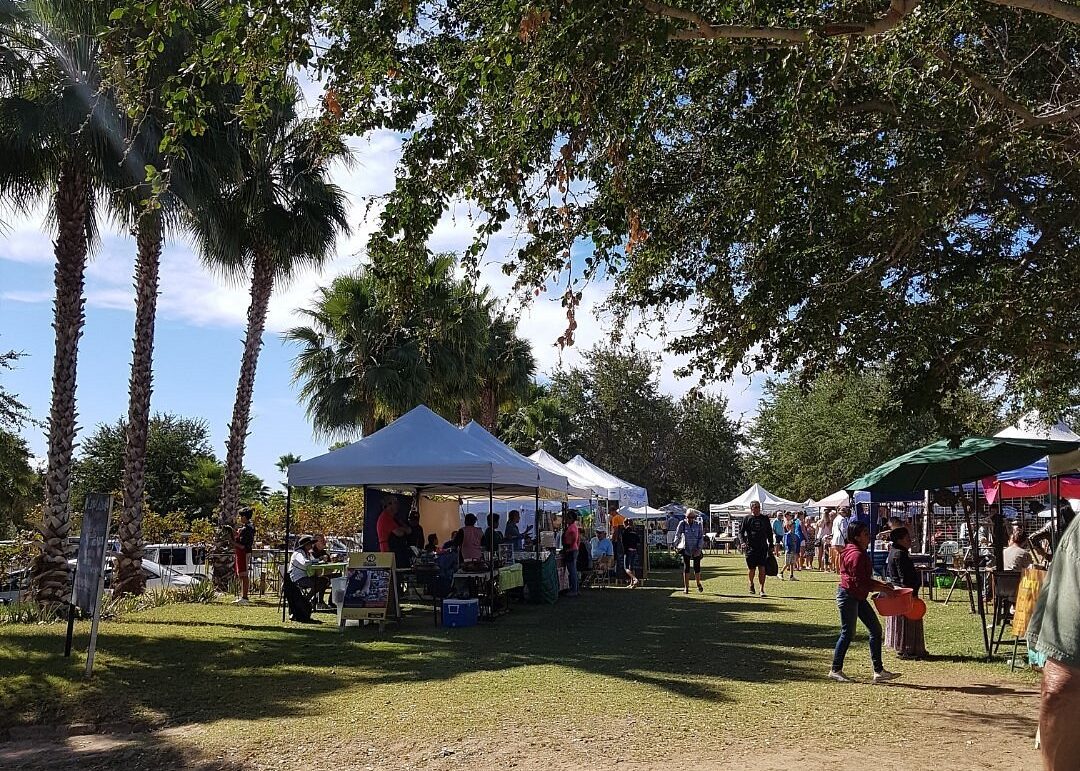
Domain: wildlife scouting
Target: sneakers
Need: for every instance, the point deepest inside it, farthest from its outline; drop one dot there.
(884, 676)
(840, 677)
(700, 588)
(763, 592)
(241, 601)
(686, 591)
(793, 578)
(752, 589)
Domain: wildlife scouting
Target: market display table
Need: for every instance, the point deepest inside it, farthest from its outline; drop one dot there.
(726, 543)
(328, 569)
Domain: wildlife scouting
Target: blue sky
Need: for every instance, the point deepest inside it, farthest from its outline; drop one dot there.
(201, 320)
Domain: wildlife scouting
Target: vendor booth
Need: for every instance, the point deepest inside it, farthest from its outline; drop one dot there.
(609, 485)
(421, 454)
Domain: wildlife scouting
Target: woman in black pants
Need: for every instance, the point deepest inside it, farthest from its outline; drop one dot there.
(690, 542)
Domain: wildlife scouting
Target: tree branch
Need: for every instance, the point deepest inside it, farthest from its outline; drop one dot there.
(703, 29)
(1056, 8)
(1028, 119)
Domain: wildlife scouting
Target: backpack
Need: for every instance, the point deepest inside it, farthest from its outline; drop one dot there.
(299, 606)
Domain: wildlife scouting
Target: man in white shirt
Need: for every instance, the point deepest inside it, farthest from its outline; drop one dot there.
(839, 536)
(300, 561)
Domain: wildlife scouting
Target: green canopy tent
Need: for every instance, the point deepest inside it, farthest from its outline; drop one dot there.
(948, 463)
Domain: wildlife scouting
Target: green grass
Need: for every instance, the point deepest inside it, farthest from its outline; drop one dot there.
(645, 661)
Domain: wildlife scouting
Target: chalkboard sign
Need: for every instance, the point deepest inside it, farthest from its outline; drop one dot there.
(92, 542)
(370, 588)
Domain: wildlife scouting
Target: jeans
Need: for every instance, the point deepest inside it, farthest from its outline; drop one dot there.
(570, 560)
(851, 609)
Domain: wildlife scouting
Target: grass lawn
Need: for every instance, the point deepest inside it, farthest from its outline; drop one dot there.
(643, 677)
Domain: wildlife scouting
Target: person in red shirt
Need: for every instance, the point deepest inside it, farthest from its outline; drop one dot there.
(571, 542)
(387, 525)
(856, 582)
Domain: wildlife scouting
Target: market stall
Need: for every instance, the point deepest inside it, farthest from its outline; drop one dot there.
(419, 454)
(609, 485)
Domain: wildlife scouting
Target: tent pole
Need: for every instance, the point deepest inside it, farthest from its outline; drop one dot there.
(491, 550)
(288, 524)
(536, 523)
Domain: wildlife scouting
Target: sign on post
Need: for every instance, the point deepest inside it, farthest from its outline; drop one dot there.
(370, 588)
(90, 570)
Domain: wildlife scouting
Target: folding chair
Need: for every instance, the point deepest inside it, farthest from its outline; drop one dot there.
(602, 570)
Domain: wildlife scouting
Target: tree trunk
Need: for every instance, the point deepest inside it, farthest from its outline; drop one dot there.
(489, 409)
(262, 286)
(50, 569)
(368, 427)
(129, 564)
(466, 412)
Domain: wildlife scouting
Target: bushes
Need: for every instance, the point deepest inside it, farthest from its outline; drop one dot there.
(114, 607)
(661, 559)
(23, 612)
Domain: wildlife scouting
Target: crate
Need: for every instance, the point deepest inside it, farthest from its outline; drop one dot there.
(458, 613)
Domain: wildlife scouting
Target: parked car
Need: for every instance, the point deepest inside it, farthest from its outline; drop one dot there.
(157, 576)
(13, 586)
(186, 558)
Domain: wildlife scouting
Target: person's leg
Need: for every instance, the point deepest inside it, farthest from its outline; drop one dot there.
(761, 578)
(750, 569)
(571, 570)
(697, 573)
(1057, 716)
(686, 573)
(848, 608)
(873, 626)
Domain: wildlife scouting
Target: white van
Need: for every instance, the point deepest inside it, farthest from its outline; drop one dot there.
(185, 558)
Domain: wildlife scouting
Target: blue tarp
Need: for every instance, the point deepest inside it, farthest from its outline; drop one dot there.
(1033, 472)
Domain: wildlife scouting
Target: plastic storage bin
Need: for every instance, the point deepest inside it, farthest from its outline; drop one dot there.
(457, 613)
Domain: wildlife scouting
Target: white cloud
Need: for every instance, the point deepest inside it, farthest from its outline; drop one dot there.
(192, 295)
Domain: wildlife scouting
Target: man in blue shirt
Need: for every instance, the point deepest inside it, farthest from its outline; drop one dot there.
(778, 533)
(601, 546)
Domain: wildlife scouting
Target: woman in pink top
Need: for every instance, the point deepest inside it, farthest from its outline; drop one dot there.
(468, 540)
(571, 542)
(856, 582)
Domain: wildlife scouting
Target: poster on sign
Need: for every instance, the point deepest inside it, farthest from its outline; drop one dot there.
(370, 588)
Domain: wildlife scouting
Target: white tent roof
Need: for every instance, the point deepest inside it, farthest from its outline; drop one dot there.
(1030, 427)
(551, 480)
(768, 501)
(609, 485)
(579, 486)
(419, 450)
(643, 512)
(839, 498)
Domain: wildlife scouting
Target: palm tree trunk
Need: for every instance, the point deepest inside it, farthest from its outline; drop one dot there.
(50, 569)
(140, 386)
(489, 409)
(465, 412)
(262, 286)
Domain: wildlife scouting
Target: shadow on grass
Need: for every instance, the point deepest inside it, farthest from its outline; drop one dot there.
(687, 646)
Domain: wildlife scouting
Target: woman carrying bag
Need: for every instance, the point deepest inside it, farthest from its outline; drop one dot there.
(690, 543)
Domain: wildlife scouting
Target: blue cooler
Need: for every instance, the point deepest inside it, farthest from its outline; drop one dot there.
(460, 612)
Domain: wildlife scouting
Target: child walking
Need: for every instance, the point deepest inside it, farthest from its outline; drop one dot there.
(856, 582)
(791, 551)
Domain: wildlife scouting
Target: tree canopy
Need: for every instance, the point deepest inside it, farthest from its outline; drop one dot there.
(810, 442)
(817, 188)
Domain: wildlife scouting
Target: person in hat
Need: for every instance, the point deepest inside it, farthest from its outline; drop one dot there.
(601, 545)
(243, 544)
(690, 543)
(301, 560)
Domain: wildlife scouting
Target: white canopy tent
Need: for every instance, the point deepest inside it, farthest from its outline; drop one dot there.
(585, 489)
(768, 501)
(1030, 427)
(609, 485)
(643, 512)
(839, 498)
(550, 480)
(421, 451)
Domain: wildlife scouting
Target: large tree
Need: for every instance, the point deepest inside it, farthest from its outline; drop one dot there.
(807, 442)
(278, 215)
(20, 485)
(59, 141)
(819, 187)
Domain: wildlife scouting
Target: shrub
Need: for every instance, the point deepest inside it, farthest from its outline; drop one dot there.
(31, 613)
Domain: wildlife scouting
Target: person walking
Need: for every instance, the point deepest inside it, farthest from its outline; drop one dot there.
(903, 635)
(690, 544)
(571, 543)
(791, 551)
(839, 536)
(824, 540)
(757, 538)
(242, 548)
(631, 542)
(856, 583)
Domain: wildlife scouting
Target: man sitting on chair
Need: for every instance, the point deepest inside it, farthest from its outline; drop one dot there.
(603, 551)
(298, 566)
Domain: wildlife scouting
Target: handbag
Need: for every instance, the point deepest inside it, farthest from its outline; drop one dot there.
(771, 566)
(680, 543)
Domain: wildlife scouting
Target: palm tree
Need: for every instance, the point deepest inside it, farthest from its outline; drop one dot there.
(506, 370)
(60, 137)
(194, 175)
(279, 215)
(357, 367)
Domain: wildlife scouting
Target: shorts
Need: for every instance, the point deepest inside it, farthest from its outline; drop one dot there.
(687, 559)
(240, 558)
(756, 558)
(789, 558)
